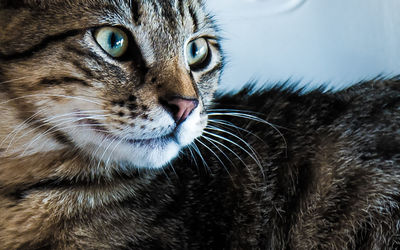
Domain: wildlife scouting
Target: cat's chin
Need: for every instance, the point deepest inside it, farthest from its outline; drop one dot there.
(152, 154)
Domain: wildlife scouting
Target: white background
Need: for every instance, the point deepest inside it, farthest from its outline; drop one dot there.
(334, 42)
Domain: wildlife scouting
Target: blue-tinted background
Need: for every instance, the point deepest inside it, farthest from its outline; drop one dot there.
(338, 42)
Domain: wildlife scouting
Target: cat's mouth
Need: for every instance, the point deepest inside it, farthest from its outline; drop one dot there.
(153, 149)
(152, 141)
(158, 140)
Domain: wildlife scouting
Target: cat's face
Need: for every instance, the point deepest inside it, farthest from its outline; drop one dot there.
(122, 81)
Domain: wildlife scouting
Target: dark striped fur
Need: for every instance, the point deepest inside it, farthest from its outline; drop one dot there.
(95, 155)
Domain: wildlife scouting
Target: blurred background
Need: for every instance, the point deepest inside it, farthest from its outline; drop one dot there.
(314, 42)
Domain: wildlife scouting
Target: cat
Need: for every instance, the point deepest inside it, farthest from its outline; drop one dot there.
(112, 137)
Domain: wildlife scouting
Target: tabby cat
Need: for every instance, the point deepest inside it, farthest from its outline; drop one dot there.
(112, 137)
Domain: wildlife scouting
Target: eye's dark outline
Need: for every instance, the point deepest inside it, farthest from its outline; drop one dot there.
(202, 64)
(116, 31)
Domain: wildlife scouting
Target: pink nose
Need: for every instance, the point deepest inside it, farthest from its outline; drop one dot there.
(181, 108)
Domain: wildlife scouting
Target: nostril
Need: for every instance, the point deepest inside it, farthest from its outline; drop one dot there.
(173, 109)
(180, 108)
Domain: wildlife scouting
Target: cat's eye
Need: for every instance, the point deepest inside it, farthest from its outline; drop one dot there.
(197, 52)
(112, 40)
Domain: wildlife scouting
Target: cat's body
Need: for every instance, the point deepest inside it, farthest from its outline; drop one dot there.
(325, 174)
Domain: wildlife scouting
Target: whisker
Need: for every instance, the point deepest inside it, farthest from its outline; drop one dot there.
(197, 150)
(256, 119)
(14, 80)
(166, 175)
(229, 124)
(89, 126)
(105, 151)
(193, 156)
(51, 129)
(173, 170)
(242, 111)
(115, 147)
(104, 140)
(254, 157)
(19, 127)
(219, 159)
(73, 113)
(237, 137)
(49, 119)
(46, 122)
(230, 150)
(55, 95)
(66, 127)
(246, 116)
(212, 143)
(93, 158)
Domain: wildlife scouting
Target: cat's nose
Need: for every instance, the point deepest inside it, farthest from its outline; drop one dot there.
(180, 107)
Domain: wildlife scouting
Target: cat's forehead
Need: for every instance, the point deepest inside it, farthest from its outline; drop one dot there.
(88, 12)
(52, 3)
(158, 21)
(138, 8)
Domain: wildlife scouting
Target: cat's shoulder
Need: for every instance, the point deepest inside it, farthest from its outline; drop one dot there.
(375, 102)
(380, 91)
(377, 94)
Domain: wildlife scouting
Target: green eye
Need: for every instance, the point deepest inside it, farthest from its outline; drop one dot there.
(197, 52)
(112, 40)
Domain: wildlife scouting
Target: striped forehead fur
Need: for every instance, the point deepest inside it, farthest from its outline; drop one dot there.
(115, 12)
(44, 4)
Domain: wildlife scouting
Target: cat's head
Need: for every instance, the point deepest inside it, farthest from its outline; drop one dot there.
(122, 81)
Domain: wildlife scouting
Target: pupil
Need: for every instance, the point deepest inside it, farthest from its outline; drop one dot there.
(194, 50)
(113, 40)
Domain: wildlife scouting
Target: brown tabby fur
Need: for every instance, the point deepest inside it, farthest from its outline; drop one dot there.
(324, 172)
